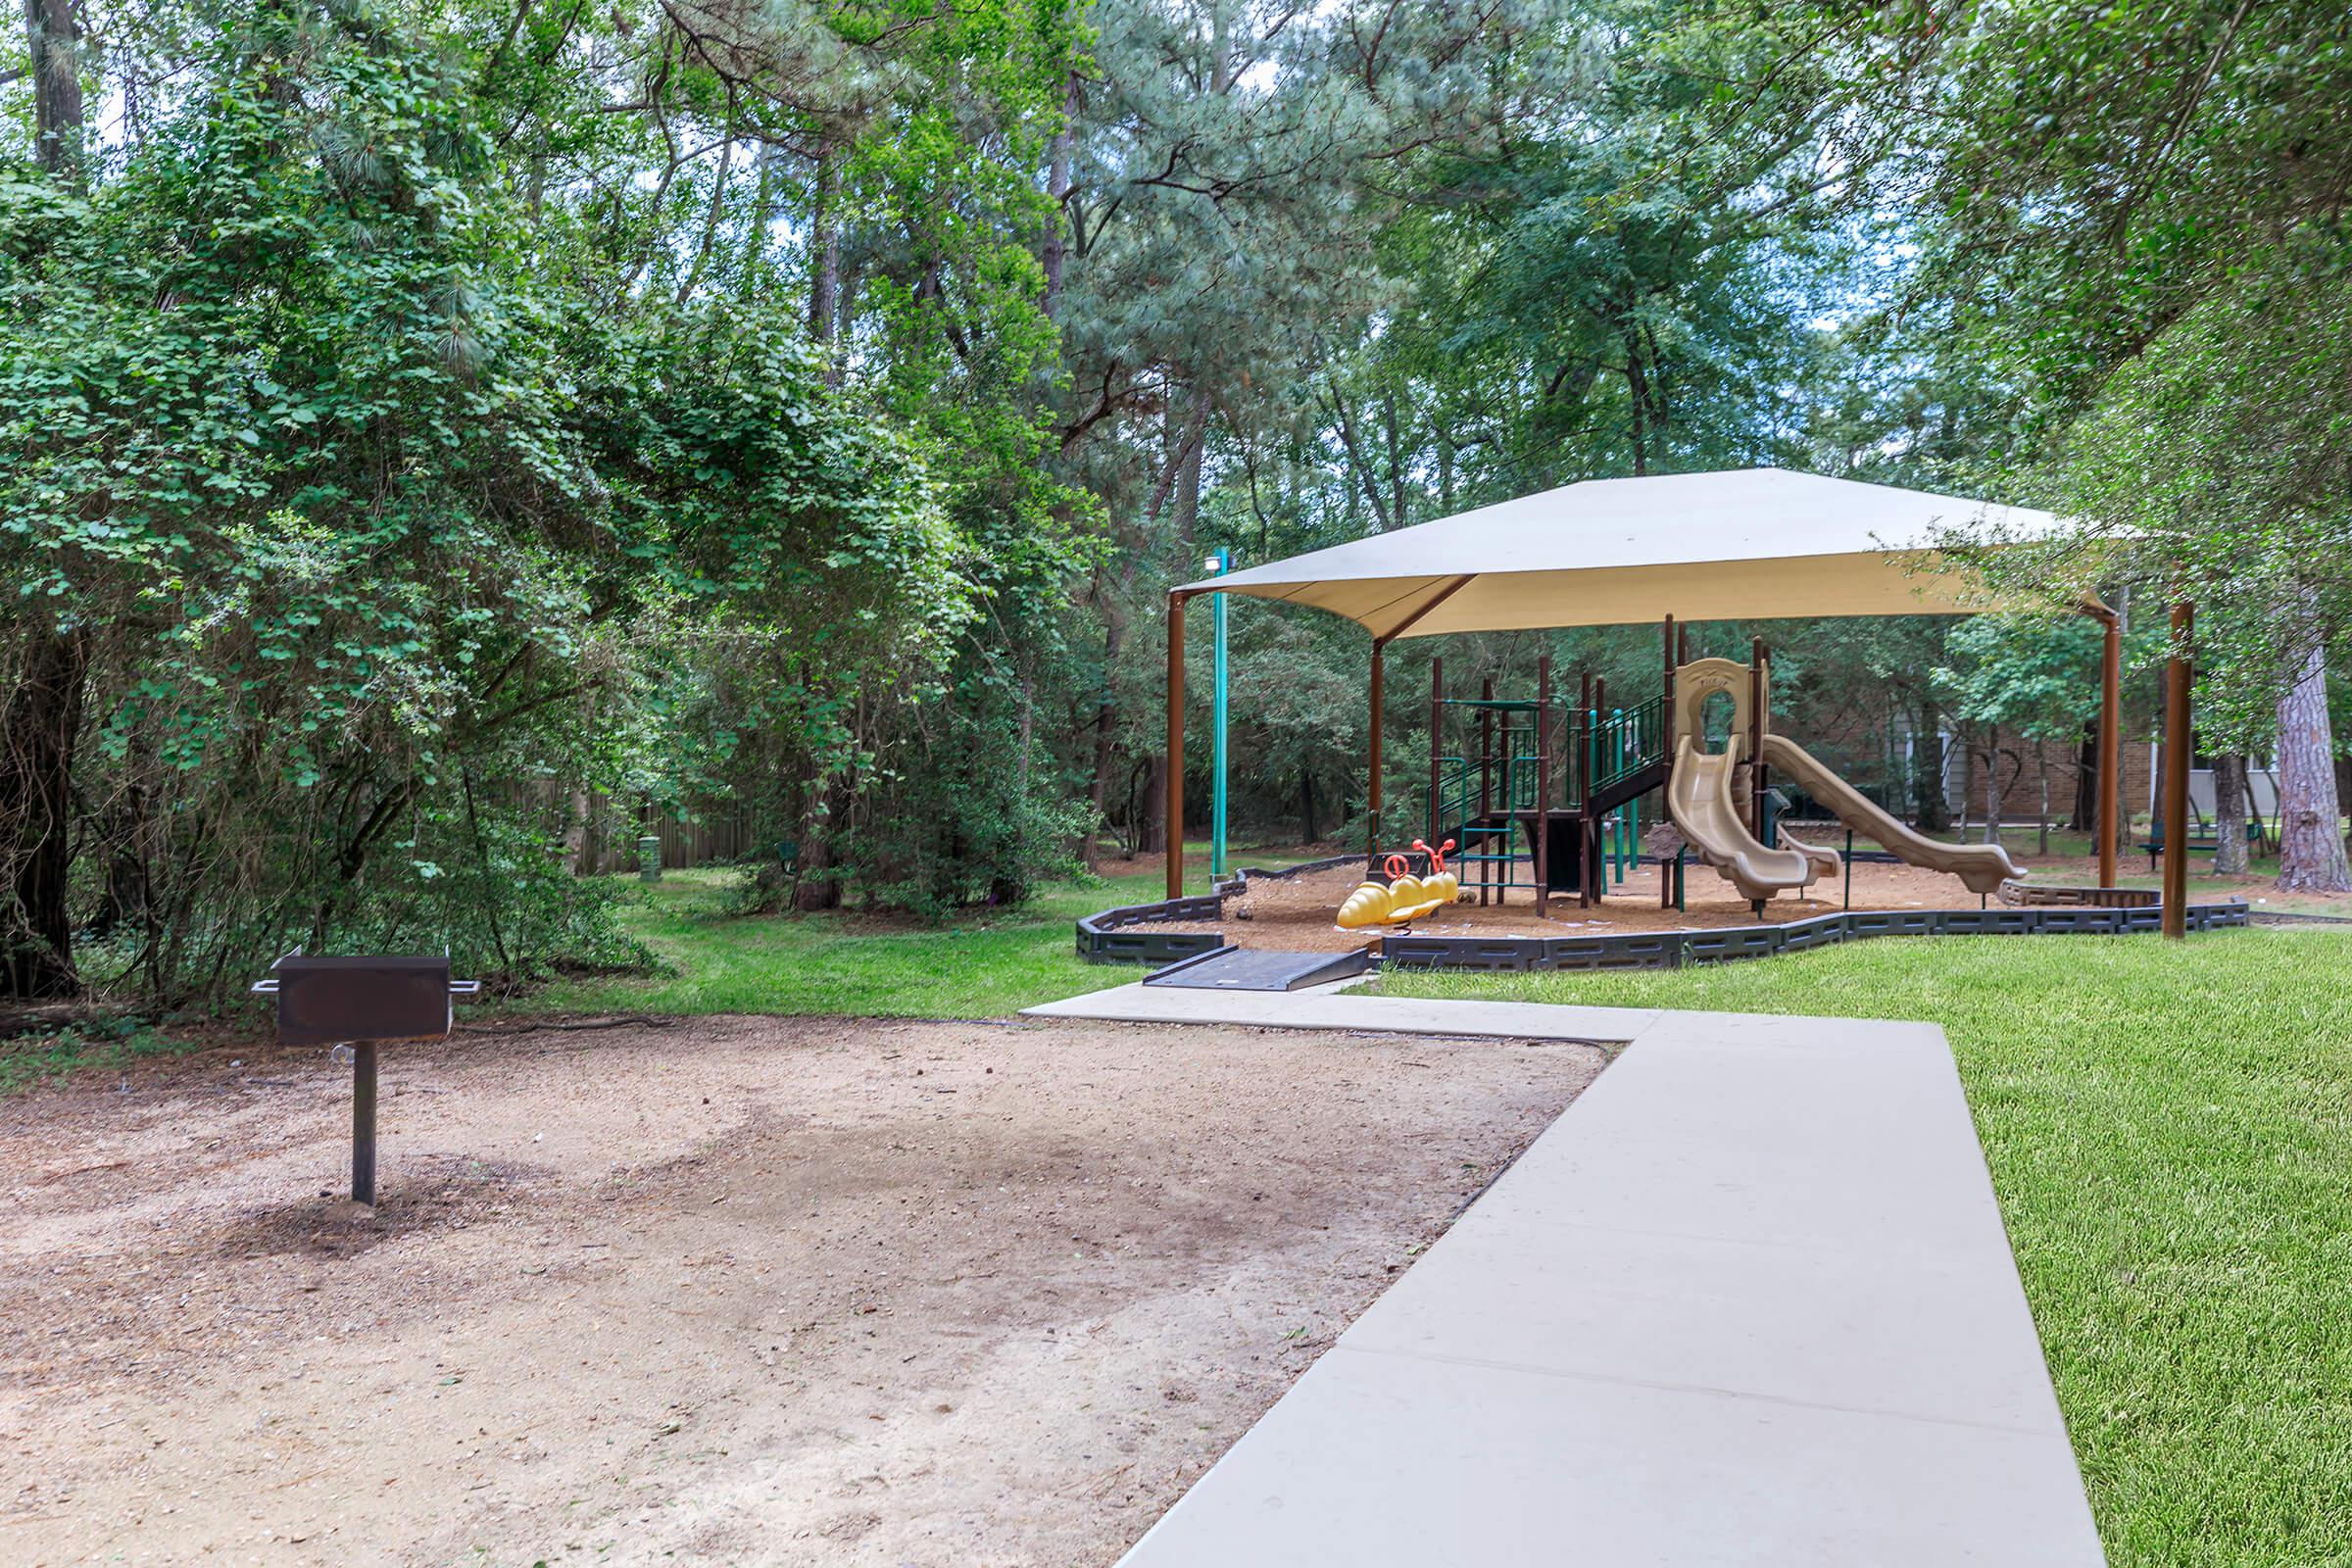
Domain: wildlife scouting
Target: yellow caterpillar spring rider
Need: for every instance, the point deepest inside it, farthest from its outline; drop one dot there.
(1406, 897)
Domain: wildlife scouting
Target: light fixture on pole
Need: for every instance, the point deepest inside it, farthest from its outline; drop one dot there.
(1216, 565)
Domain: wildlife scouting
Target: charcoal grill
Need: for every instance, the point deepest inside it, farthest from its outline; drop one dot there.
(361, 1002)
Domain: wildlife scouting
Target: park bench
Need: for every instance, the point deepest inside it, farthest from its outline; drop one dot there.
(2203, 839)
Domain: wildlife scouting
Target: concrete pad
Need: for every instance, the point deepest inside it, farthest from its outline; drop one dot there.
(1748, 1300)
(1397, 1460)
(1318, 1008)
(1682, 1136)
(1777, 1322)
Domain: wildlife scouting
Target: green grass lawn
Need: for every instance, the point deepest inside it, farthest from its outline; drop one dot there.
(985, 964)
(2170, 1130)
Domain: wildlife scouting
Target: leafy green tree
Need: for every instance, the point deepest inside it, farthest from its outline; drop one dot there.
(2027, 678)
(375, 525)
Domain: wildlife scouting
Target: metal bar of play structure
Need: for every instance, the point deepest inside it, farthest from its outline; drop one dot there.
(1218, 563)
(1173, 845)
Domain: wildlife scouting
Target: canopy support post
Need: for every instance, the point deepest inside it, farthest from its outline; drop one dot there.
(1666, 750)
(1380, 660)
(1756, 688)
(1579, 785)
(1486, 796)
(1666, 717)
(1175, 786)
(2104, 822)
(1543, 816)
(2177, 745)
(1436, 776)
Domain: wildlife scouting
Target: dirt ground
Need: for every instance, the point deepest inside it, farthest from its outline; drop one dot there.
(1295, 913)
(739, 1291)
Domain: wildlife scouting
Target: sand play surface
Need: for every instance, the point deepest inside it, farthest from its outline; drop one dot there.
(1295, 912)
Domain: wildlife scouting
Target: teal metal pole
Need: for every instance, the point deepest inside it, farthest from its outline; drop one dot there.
(1218, 564)
(1617, 817)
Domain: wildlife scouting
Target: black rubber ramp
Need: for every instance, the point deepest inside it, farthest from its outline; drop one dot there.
(1260, 969)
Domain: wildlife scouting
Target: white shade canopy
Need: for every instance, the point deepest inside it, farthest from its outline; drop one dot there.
(1748, 544)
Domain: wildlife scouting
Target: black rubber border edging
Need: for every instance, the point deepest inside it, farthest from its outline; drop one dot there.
(1123, 935)
(1676, 949)
(1113, 936)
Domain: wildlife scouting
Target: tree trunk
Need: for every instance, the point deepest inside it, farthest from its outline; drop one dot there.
(577, 838)
(1309, 832)
(1388, 418)
(1150, 836)
(2230, 815)
(819, 880)
(125, 900)
(1098, 793)
(1636, 397)
(1935, 815)
(1053, 257)
(824, 255)
(2085, 815)
(1187, 499)
(1992, 785)
(38, 731)
(53, 49)
(2041, 826)
(2311, 842)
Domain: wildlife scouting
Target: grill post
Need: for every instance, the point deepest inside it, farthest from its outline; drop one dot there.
(362, 1122)
(356, 1003)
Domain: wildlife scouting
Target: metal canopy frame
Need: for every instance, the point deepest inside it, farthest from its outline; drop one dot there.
(1415, 605)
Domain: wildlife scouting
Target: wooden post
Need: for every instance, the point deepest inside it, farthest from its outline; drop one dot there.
(2176, 749)
(1580, 775)
(1379, 660)
(1485, 783)
(1666, 717)
(1175, 828)
(1755, 739)
(362, 1122)
(1541, 819)
(1437, 717)
(1596, 872)
(2106, 822)
(1666, 749)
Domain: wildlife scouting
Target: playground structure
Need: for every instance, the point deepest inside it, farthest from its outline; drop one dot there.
(1570, 780)
(1731, 546)
(1548, 801)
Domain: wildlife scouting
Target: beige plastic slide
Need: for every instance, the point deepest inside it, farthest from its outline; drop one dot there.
(1825, 862)
(1698, 797)
(1980, 868)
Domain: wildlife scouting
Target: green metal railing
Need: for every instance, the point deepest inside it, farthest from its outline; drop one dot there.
(1603, 749)
(1618, 746)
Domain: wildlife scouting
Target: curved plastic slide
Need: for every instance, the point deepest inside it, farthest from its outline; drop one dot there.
(1825, 862)
(1980, 868)
(1698, 797)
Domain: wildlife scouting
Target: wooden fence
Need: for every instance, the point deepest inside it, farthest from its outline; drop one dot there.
(725, 832)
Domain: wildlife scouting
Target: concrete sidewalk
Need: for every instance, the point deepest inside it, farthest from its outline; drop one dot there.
(1748, 1301)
